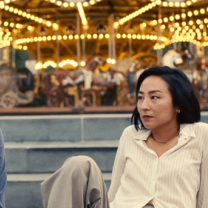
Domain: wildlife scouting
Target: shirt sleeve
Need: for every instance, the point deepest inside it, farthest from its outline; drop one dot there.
(118, 168)
(3, 175)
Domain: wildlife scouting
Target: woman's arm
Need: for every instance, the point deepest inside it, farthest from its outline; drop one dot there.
(202, 199)
(118, 168)
(3, 176)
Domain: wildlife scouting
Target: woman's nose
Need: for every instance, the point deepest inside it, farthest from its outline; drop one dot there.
(145, 104)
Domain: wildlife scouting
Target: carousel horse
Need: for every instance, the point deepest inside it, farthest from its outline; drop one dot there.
(56, 82)
(173, 58)
(10, 94)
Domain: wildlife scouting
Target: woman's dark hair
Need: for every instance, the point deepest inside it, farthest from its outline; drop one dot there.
(182, 94)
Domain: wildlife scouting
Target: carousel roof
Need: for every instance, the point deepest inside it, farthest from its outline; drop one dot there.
(94, 24)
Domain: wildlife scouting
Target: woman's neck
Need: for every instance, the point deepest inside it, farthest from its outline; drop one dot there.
(165, 134)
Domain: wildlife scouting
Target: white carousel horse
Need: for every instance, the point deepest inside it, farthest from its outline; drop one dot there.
(173, 58)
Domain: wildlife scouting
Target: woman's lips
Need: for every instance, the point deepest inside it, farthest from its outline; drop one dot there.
(146, 117)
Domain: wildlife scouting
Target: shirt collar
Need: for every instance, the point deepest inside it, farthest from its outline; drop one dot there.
(186, 131)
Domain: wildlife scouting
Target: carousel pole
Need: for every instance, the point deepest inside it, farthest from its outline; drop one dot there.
(83, 46)
(113, 38)
(13, 49)
(78, 40)
(174, 43)
(110, 40)
(57, 51)
(1, 58)
(38, 60)
(159, 52)
(130, 47)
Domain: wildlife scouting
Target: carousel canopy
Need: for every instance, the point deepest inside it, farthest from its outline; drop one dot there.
(74, 30)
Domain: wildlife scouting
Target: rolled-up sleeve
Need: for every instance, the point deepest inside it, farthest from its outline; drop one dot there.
(3, 175)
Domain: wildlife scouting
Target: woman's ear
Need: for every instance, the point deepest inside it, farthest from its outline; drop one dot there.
(178, 110)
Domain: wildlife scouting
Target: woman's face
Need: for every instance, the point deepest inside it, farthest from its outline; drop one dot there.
(155, 104)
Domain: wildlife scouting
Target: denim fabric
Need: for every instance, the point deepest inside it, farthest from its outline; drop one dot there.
(3, 175)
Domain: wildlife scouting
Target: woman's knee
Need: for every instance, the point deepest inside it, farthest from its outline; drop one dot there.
(79, 164)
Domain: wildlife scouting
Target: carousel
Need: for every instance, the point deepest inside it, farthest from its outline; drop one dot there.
(66, 56)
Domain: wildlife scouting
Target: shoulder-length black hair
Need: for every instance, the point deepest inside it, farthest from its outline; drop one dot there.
(182, 94)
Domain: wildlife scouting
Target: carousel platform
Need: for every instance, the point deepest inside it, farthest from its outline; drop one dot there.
(36, 146)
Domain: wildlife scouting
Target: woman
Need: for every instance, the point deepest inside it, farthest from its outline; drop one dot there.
(161, 161)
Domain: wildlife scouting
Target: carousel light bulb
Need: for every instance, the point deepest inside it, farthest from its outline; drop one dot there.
(6, 24)
(92, 2)
(171, 4)
(6, 7)
(129, 36)
(101, 36)
(107, 36)
(49, 38)
(85, 4)
(82, 63)
(11, 9)
(177, 24)
(82, 36)
(44, 38)
(187, 28)
(7, 1)
(32, 17)
(165, 3)
(59, 3)
(163, 27)
(53, 37)
(11, 24)
(204, 34)
(184, 23)
(65, 4)
(190, 14)
(65, 37)
(36, 19)
(134, 36)
(202, 11)
(28, 16)
(201, 26)
(55, 26)
(198, 21)
(72, 4)
(59, 37)
(53, 1)
(171, 29)
(70, 37)
(29, 27)
(191, 22)
(24, 14)
(183, 15)
(123, 35)
(177, 16)
(188, 3)
(165, 19)
(171, 18)
(48, 23)
(183, 4)
(88, 36)
(35, 39)
(94, 36)
(177, 4)
(196, 12)
(16, 11)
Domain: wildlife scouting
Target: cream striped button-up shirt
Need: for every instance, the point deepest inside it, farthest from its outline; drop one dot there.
(177, 179)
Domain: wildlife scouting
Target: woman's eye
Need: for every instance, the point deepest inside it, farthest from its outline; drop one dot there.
(154, 97)
(140, 98)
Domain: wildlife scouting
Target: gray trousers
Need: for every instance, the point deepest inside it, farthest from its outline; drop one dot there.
(77, 184)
